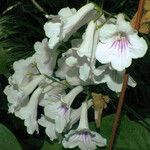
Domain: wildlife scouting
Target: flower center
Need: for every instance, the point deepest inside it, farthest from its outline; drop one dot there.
(85, 137)
(121, 42)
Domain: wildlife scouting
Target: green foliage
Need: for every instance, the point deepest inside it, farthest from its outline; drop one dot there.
(131, 135)
(3, 61)
(8, 140)
(49, 145)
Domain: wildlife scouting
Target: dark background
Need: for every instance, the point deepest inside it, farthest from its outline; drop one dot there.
(22, 26)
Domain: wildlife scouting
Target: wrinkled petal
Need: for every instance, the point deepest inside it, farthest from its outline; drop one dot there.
(29, 112)
(24, 68)
(123, 25)
(65, 13)
(100, 141)
(51, 110)
(45, 57)
(49, 127)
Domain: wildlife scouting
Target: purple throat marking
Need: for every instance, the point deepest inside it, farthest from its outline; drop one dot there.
(121, 44)
(63, 109)
(85, 137)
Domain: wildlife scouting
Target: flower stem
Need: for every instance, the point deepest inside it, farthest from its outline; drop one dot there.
(39, 8)
(139, 14)
(124, 86)
(118, 112)
(55, 80)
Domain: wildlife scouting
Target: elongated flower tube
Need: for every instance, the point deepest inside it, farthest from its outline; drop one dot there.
(61, 31)
(29, 112)
(119, 44)
(86, 48)
(83, 137)
(75, 114)
(45, 57)
(60, 111)
(17, 96)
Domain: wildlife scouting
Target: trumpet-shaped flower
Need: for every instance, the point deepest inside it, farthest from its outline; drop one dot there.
(45, 57)
(29, 112)
(70, 22)
(119, 44)
(83, 137)
(60, 110)
(17, 96)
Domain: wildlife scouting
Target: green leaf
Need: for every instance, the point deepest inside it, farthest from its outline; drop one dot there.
(54, 146)
(7, 140)
(131, 135)
(3, 62)
(51, 146)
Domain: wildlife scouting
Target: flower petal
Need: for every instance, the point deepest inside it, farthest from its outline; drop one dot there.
(107, 31)
(72, 142)
(138, 46)
(100, 141)
(84, 72)
(123, 25)
(45, 57)
(52, 30)
(71, 61)
(104, 51)
(121, 59)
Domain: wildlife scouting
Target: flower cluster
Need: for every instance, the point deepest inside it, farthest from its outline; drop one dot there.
(53, 82)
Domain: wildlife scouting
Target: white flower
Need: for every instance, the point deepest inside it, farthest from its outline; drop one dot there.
(86, 48)
(77, 63)
(60, 110)
(69, 24)
(63, 68)
(52, 93)
(84, 72)
(29, 112)
(49, 125)
(45, 57)
(119, 44)
(75, 114)
(18, 95)
(83, 137)
(113, 78)
(24, 71)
